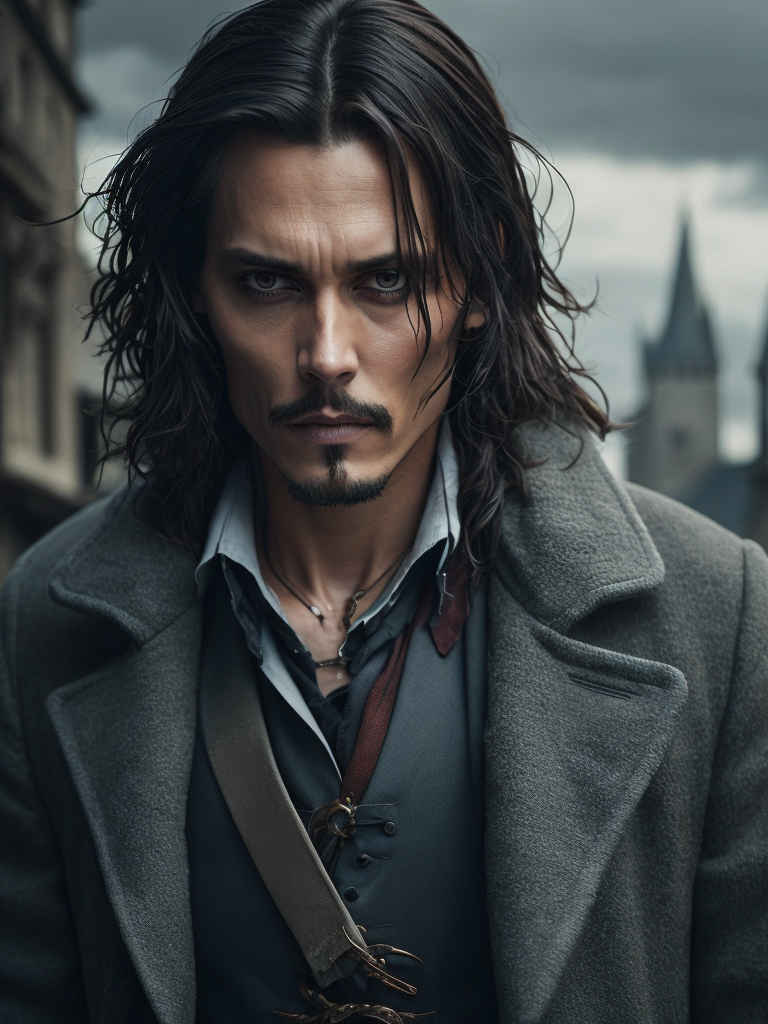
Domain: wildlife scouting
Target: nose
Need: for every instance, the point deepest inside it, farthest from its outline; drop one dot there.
(328, 347)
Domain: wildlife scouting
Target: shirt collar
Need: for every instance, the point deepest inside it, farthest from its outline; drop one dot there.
(231, 531)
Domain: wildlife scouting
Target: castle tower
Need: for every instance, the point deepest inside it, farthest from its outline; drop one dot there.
(756, 527)
(762, 376)
(674, 443)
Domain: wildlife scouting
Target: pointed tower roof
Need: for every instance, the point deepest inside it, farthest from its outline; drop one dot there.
(762, 366)
(687, 337)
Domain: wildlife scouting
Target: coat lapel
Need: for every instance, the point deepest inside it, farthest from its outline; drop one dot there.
(127, 733)
(574, 733)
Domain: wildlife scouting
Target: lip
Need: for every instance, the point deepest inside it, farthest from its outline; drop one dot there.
(326, 419)
(332, 431)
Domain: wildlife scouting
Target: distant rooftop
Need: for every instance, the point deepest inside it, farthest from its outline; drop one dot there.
(762, 366)
(687, 337)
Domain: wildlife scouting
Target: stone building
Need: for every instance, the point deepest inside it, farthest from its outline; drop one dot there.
(672, 446)
(45, 441)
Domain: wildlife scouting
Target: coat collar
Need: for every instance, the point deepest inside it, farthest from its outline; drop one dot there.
(574, 541)
(125, 572)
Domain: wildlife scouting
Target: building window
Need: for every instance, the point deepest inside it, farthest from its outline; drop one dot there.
(97, 473)
(53, 127)
(91, 443)
(28, 381)
(679, 439)
(26, 88)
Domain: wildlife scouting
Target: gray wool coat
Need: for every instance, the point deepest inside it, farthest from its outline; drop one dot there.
(626, 764)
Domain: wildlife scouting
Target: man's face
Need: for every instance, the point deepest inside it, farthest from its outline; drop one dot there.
(305, 295)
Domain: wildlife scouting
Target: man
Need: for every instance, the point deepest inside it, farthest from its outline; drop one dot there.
(520, 710)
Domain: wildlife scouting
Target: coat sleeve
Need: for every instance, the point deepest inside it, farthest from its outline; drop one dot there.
(729, 982)
(40, 980)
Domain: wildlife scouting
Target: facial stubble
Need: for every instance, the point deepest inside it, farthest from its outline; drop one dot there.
(337, 488)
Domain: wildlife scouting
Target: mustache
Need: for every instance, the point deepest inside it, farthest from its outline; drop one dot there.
(337, 400)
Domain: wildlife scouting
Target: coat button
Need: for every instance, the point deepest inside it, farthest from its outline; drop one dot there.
(390, 828)
(351, 894)
(362, 860)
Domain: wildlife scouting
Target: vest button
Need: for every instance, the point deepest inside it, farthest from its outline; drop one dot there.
(351, 894)
(390, 828)
(362, 860)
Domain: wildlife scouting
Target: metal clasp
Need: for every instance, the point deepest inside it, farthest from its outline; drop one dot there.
(372, 960)
(334, 1013)
(323, 820)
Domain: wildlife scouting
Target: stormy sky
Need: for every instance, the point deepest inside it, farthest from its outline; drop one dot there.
(646, 108)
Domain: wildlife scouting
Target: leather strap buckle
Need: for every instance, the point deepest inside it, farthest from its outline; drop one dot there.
(323, 820)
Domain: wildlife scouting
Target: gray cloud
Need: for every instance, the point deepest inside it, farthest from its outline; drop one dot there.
(752, 193)
(675, 80)
(682, 80)
(168, 29)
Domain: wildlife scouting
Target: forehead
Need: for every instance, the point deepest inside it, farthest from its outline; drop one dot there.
(281, 195)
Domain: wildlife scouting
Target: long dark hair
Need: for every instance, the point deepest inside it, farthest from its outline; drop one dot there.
(321, 72)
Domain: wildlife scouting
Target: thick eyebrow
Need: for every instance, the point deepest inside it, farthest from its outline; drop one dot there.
(249, 258)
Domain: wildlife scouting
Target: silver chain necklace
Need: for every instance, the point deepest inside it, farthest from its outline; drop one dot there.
(352, 602)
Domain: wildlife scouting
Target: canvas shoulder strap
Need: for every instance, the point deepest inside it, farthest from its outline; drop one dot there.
(241, 756)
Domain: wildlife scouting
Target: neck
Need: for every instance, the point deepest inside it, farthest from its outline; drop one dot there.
(330, 553)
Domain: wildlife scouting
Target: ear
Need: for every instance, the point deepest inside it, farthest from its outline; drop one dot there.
(476, 316)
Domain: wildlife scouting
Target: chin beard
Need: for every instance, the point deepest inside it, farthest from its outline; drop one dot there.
(337, 488)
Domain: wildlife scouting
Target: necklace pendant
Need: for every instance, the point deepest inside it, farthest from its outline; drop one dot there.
(316, 612)
(347, 619)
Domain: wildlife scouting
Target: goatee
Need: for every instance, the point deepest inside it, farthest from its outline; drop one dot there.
(337, 488)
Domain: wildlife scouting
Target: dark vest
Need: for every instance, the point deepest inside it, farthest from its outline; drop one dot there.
(412, 874)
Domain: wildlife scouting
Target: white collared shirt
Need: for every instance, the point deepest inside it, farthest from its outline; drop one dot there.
(231, 537)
